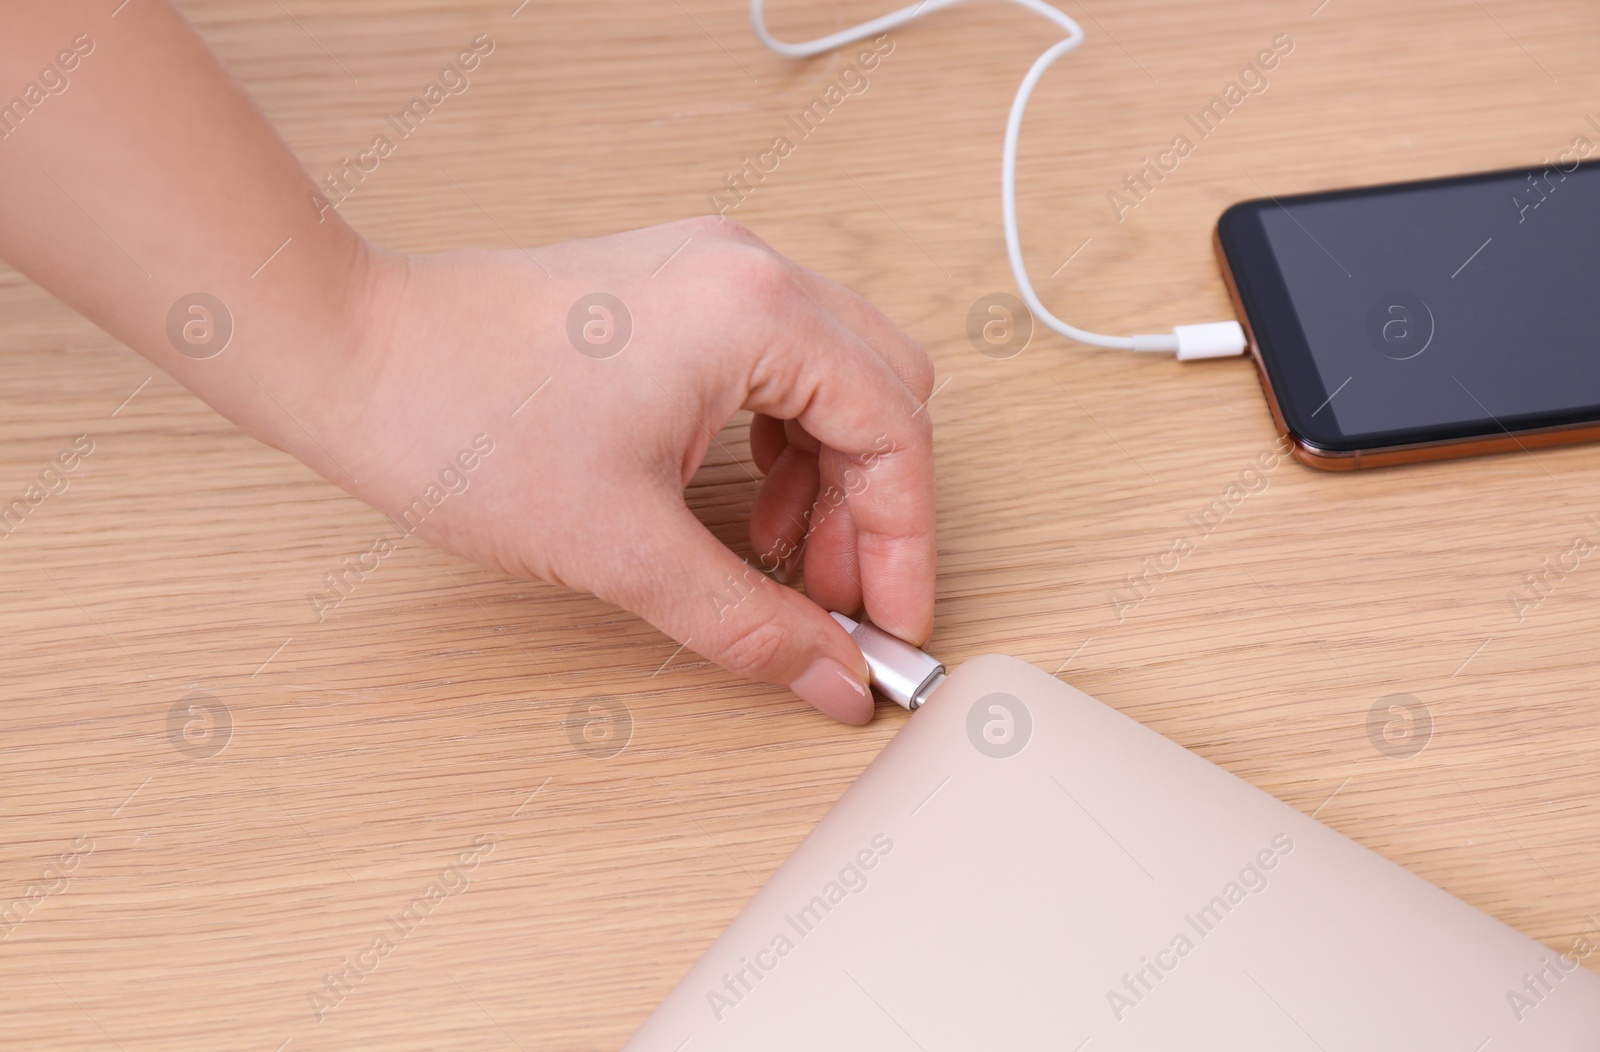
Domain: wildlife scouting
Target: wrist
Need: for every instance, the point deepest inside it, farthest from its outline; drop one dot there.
(296, 379)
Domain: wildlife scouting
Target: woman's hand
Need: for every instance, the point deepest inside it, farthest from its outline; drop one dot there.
(196, 238)
(600, 372)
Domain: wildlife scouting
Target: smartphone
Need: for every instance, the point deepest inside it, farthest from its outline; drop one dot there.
(1425, 320)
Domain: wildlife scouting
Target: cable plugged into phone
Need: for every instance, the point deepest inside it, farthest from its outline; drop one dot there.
(1218, 339)
(899, 671)
(1212, 339)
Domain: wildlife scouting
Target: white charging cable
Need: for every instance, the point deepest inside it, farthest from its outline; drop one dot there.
(1209, 340)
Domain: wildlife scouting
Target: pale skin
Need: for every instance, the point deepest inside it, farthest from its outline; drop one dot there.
(152, 175)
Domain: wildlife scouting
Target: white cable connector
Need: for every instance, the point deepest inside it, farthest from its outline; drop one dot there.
(900, 672)
(1210, 340)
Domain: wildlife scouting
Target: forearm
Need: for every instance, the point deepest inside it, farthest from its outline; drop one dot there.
(139, 173)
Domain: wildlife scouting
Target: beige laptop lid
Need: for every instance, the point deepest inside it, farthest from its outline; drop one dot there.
(1025, 868)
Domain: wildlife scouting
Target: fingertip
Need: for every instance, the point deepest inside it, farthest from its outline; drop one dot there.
(767, 441)
(898, 580)
(912, 626)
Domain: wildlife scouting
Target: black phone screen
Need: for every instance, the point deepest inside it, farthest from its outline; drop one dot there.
(1438, 310)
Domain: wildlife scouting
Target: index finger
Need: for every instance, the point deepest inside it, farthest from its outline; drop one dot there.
(815, 369)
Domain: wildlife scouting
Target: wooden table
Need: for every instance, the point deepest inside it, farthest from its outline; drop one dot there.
(212, 868)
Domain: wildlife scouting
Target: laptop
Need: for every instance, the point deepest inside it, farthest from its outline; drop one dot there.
(1025, 868)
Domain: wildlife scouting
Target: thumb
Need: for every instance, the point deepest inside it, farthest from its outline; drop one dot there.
(729, 611)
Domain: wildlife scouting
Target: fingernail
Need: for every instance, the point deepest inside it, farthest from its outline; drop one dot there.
(831, 688)
(786, 570)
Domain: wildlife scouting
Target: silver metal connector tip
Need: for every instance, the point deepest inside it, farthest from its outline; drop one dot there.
(900, 672)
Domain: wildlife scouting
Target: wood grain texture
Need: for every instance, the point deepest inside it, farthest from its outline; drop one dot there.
(369, 750)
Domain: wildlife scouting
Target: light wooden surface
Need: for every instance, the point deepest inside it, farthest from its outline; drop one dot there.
(368, 751)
